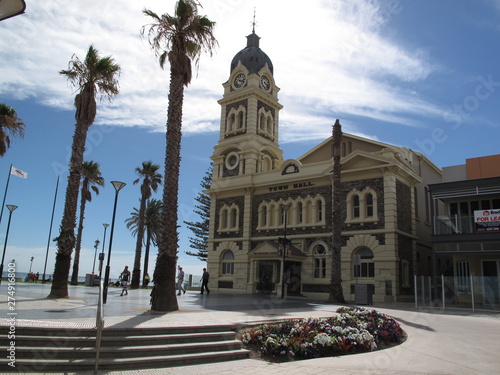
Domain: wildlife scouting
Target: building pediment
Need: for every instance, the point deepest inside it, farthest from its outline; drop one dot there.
(270, 248)
(364, 160)
(361, 161)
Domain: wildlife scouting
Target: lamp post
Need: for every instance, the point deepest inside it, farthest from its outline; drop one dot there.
(31, 263)
(97, 242)
(285, 208)
(11, 208)
(118, 186)
(101, 256)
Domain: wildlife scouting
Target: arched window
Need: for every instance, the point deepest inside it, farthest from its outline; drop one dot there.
(355, 206)
(228, 263)
(266, 164)
(223, 219)
(308, 211)
(300, 214)
(231, 122)
(262, 122)
(266, 122)
(363, 263)
(235, 119)
(319, 208)
(233, 218)
(319, 254)
(262, 215)
(369, 205)
(229, 219)
(241, 120)
(361, 206)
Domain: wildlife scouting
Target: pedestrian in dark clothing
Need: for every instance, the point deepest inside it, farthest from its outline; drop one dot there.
(125, 278)
(204, 281)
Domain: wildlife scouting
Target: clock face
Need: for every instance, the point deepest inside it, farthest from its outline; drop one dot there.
(240, 80)
(264, 83)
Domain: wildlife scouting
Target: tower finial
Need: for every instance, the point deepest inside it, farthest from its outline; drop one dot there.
(253, 23)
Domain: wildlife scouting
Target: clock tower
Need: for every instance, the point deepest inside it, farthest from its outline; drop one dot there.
(248, 142)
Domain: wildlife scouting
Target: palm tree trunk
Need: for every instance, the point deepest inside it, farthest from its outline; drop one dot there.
(78, 245)
(163, 295)
(66, 238)
(336, 293)
(146, 254)
(136, 272)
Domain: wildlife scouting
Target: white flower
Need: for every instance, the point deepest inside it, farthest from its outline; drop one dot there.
(323, 339)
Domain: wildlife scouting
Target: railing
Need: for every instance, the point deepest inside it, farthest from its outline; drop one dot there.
(464, 293)
(99, 324)
(453, 224)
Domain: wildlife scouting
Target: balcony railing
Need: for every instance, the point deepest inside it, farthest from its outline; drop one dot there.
(453, 224)
(452, 292)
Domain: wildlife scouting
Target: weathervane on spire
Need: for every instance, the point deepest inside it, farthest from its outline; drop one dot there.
(253, 23)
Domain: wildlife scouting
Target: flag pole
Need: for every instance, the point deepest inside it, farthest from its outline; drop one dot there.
(50, 230)
(5, 194)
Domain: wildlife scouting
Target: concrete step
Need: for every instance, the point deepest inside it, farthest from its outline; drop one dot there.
(115, 340)
(151, 350)
(131, 363)
(120, 331)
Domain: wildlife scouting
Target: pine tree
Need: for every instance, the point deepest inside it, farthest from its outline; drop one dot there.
(200, 228)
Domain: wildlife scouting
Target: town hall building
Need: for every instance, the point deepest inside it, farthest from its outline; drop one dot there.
(258, 199)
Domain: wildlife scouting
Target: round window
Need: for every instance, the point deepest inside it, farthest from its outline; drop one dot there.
(320, 249)
(232, 160)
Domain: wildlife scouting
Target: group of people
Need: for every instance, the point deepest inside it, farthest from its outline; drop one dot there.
(33, 277)
(180, 281)
(125, 280)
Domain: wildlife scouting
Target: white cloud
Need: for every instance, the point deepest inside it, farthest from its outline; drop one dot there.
(327, 57)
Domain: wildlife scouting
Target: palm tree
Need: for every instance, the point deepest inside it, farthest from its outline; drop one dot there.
(152, 217)
(92, 76)
(91, 176)
(10, 124)
(336, 294)
(181, 39)
(151, 179)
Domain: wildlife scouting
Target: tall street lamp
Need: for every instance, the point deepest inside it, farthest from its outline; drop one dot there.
(31, 263)
(101, 256)
(118, 186)
(11, 208)
(96, 245)
(284, 247)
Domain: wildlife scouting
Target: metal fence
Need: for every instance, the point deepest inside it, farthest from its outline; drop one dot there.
(464, 293)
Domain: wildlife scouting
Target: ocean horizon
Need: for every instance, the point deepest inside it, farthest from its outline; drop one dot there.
(24, 275)
(193, 280)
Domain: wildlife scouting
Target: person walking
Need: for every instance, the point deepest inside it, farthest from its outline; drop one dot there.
(204, 281)
(125, 278)
(180, 281)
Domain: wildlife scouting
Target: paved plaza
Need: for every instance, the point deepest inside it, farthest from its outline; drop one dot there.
(438, 343)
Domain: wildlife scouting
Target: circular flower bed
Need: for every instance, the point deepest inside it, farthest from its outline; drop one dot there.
(354, 330)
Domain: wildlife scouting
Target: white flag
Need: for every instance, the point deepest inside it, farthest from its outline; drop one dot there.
(18, 172)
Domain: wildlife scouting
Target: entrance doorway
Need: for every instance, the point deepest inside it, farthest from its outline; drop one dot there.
(267, 271)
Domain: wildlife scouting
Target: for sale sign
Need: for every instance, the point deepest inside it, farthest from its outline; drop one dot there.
(487, 221)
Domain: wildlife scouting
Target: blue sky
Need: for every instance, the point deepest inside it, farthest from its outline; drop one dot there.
(417, 74)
